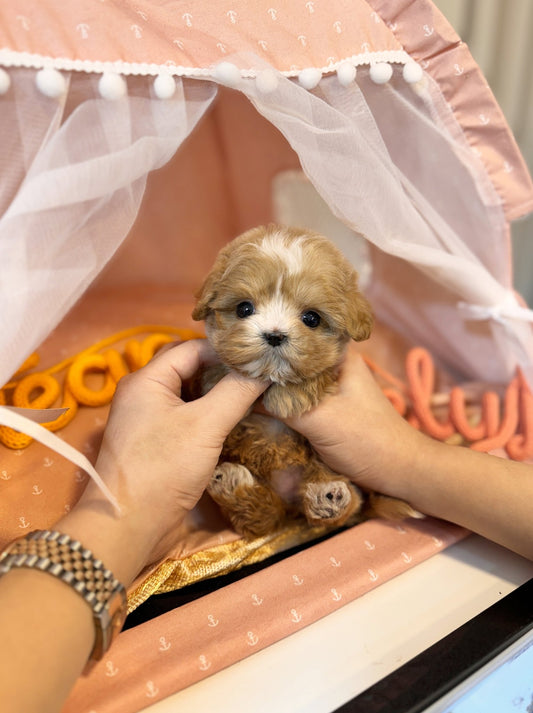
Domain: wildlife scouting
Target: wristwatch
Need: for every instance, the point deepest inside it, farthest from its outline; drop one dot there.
(57, 554)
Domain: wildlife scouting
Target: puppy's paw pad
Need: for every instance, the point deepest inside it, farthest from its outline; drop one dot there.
(327, 501)
(228, 476)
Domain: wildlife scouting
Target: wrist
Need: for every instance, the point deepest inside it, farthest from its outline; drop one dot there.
(406, 469)
(112, 537)
(422, 481)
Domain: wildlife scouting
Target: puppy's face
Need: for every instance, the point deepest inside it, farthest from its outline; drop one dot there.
(281, 304)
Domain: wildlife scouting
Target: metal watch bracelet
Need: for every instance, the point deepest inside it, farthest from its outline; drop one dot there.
(59, 555)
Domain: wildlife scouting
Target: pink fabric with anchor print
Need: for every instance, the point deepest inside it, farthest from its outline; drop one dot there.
(188, 34)
(185, 37)
(179, 648)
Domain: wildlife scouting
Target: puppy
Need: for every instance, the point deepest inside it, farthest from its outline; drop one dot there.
(281, 304)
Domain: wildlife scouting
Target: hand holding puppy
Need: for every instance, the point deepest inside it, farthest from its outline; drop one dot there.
(358, 432)
(157, 455)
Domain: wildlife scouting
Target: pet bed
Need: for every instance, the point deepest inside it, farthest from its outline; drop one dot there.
(385, 111)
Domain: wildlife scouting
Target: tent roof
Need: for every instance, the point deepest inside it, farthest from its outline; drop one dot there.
(182, 38)
(144, 36)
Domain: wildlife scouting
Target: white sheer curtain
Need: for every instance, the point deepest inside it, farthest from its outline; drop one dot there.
(437, 225)
(389, 160)
(73, 175)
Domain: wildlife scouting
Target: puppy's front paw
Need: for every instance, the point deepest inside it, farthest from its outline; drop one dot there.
(226, 478)
(331, 502)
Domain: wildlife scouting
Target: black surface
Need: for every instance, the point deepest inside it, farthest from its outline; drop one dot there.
(440, 668)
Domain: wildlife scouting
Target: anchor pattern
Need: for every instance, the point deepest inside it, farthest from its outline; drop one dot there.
(238, 620)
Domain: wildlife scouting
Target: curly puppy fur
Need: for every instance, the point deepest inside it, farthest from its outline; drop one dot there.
(281, 304)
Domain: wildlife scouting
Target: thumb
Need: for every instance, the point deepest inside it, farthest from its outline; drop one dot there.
(231, 397)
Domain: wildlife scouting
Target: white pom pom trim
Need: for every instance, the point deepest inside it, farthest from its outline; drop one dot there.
(267, 81)
(310, 77)
(164, 86)
(112, 86)
(51, 83)
(346, 73)
(5, 81)
(381, 72)
(227, 73)
(412, 72)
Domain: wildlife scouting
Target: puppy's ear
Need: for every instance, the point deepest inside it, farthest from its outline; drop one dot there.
(358, 315)
(204, 297)
(207, 294)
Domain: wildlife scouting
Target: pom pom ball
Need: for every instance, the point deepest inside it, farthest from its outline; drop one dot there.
(267, 81)
(412, 72)
(5, 81)
(51, 83)
(381, 72)
(112, 86)
(310, 77)
(227, 73)
(346, 73)
(164, 86)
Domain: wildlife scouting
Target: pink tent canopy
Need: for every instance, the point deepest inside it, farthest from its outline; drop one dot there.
(413, 152)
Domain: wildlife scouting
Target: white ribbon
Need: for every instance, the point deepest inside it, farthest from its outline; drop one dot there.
(40, 415)
(499, 313)
(13, 418)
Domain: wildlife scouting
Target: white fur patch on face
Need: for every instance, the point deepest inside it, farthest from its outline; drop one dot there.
(289, 254)
(276, 315)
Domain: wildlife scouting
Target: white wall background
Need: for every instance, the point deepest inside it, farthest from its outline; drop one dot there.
(499, 34)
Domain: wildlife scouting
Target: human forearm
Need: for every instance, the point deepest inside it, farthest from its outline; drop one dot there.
(157, 456)
(359, 434)
(47, 636)
(486, 494)
(47, 628)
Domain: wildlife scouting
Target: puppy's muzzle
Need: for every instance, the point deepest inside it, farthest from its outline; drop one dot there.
(275, 339)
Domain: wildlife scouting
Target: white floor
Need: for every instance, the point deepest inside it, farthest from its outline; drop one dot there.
(329, 662)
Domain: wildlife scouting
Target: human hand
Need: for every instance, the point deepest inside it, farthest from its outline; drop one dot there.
(357, 431)
(158, 451)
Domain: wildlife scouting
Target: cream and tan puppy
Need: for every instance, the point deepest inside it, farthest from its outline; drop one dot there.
(281, 304)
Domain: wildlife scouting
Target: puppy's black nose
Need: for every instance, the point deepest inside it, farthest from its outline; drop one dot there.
(274, 338)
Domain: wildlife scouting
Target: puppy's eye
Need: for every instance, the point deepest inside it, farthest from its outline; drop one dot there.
(244, 309)
(311, 319)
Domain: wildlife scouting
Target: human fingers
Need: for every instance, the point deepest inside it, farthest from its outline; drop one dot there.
(228, 401)
(357, 399)
(174, 365)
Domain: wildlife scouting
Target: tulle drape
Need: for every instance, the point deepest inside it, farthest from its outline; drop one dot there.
(392, 165)
(73, 175)
(390, 161)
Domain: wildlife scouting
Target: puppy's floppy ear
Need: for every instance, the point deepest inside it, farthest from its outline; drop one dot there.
(359, 318)
(205, 297)
(209, 290)
(357, 313)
